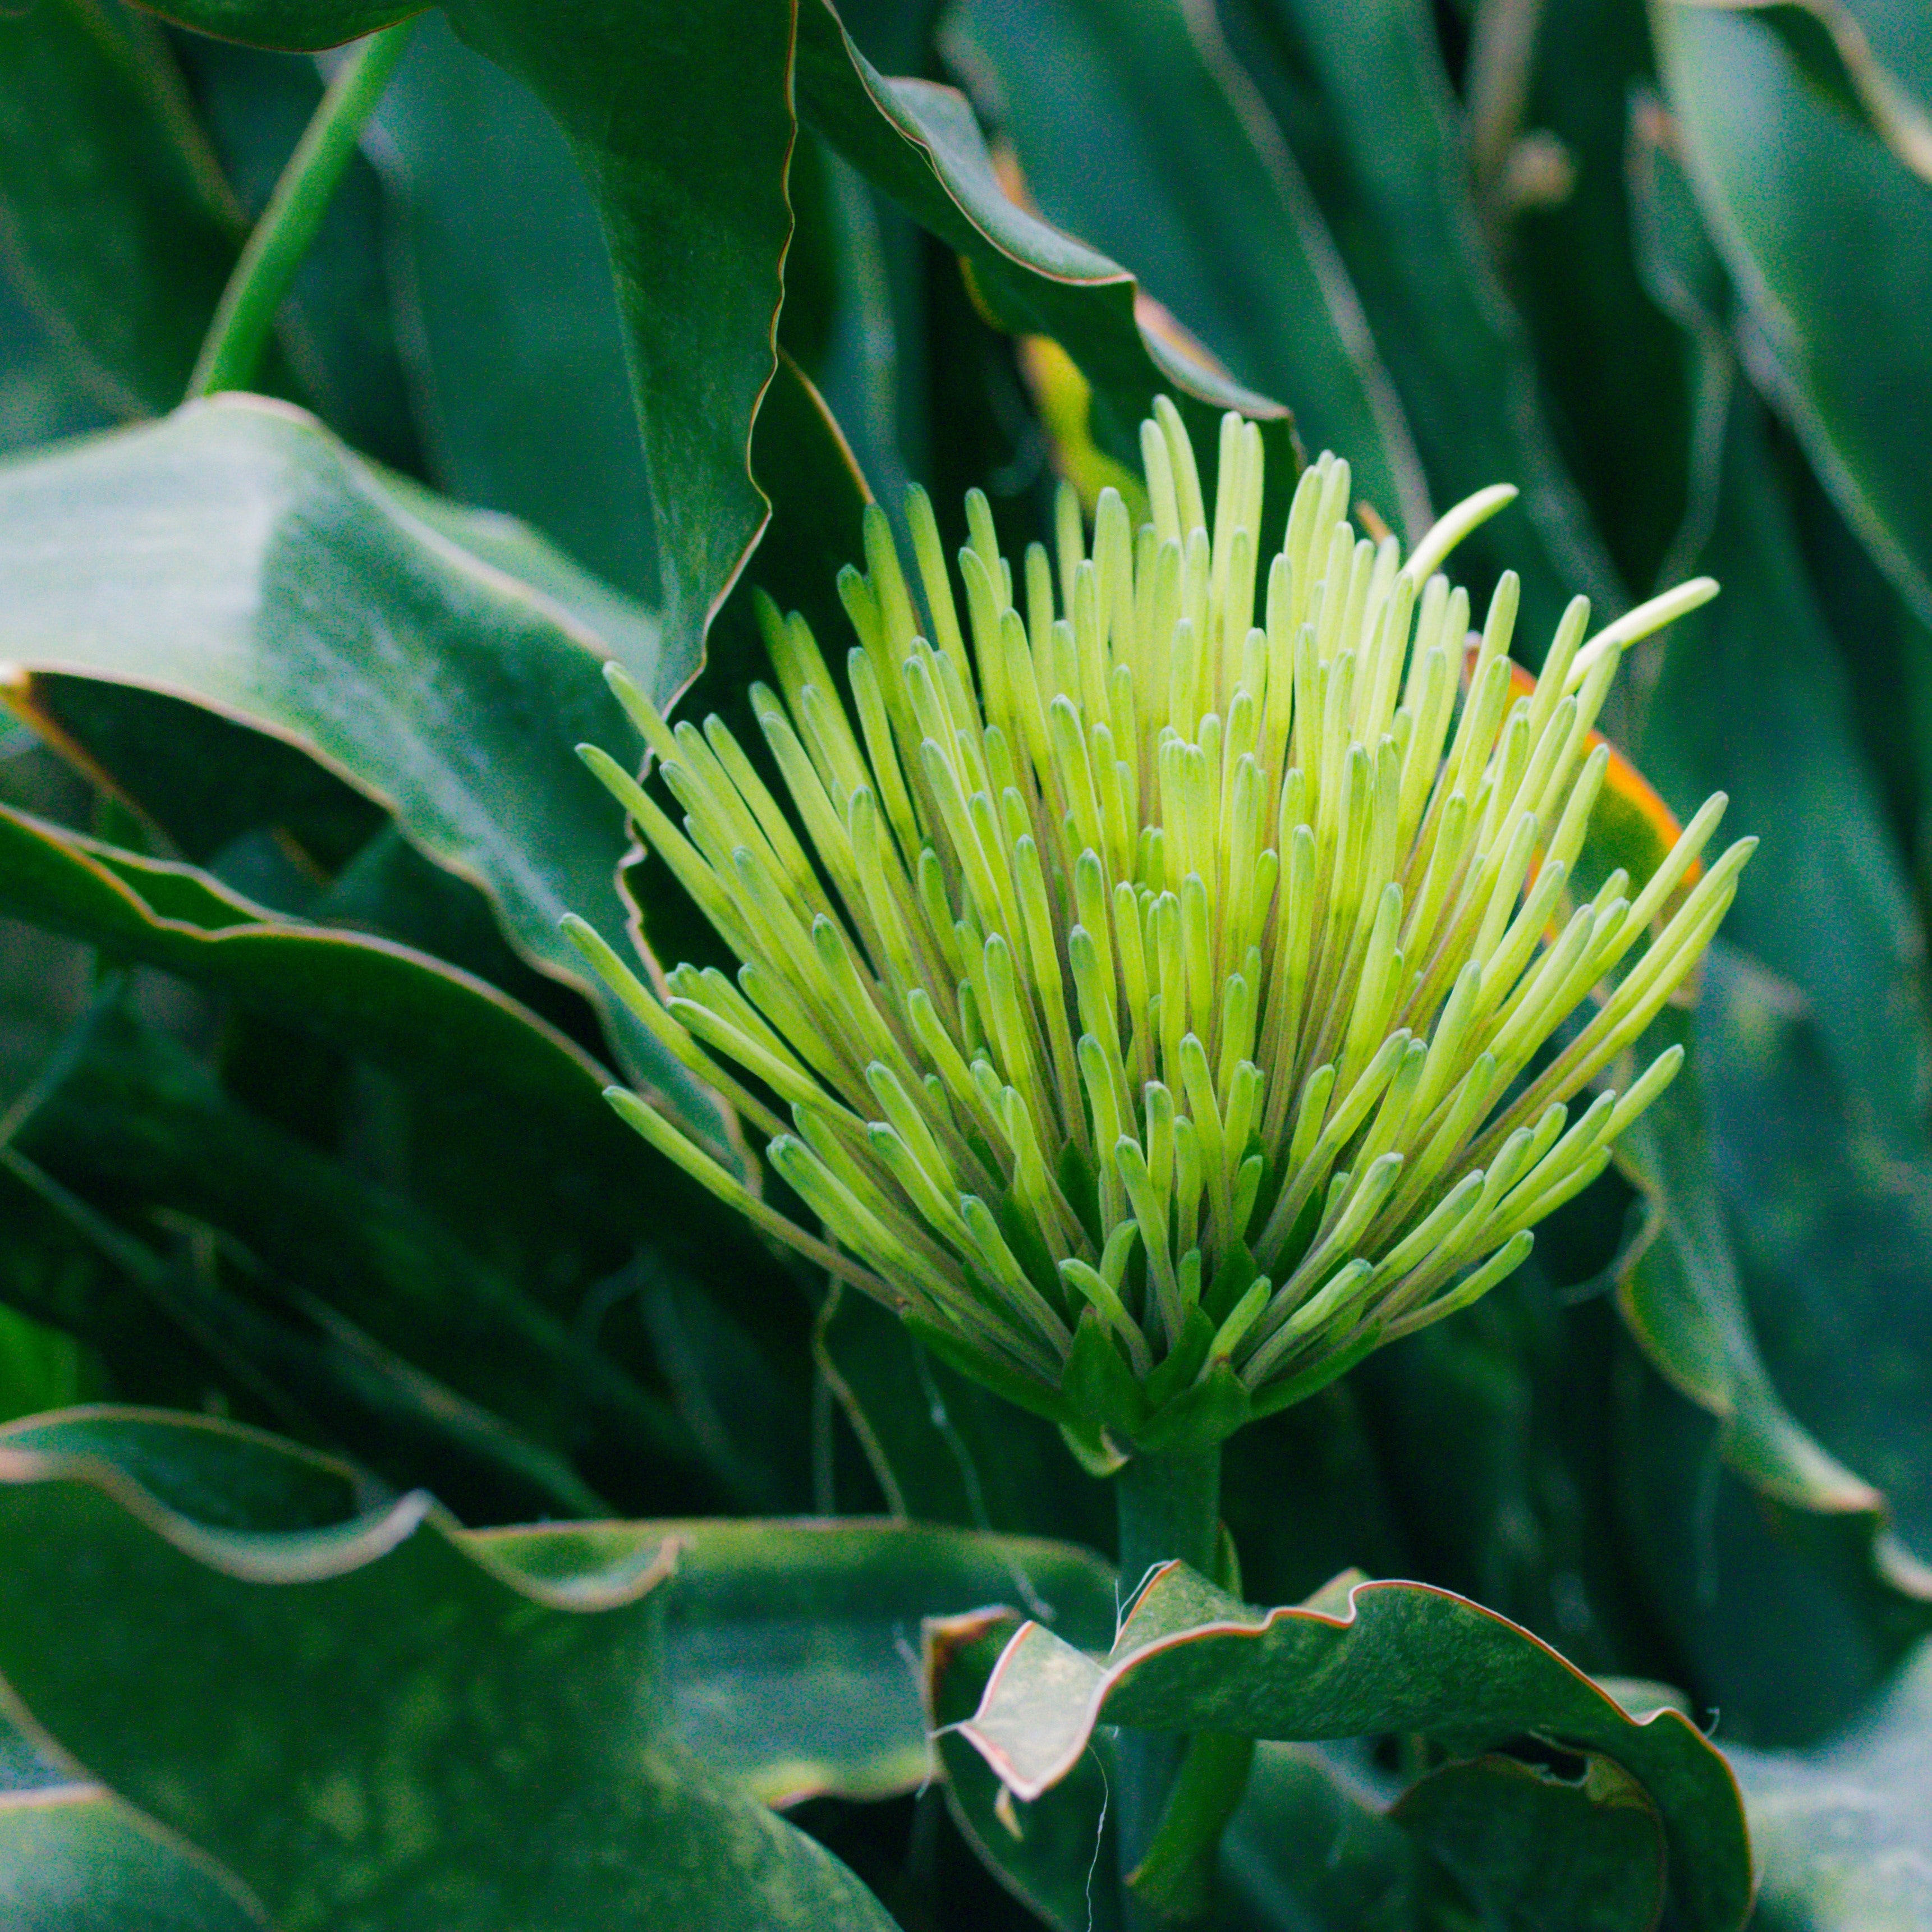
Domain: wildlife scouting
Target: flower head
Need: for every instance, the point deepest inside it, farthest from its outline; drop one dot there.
(1166, 957)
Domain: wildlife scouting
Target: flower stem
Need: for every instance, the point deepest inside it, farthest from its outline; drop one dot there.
(1169, 1507)
(273, 253)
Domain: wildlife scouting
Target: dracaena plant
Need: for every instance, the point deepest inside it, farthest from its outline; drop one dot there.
(1174, 991)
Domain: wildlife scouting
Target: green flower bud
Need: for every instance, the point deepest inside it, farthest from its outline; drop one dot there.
(1168, 1007)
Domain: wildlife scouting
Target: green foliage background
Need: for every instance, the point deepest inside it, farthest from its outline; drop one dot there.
(310, 1209)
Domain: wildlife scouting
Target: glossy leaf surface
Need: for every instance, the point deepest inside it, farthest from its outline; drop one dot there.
(1368, 1658)
(1205, 203)
(1386, 162)
(1794, 187)
(122, 230)
(237, 557)
(521, 1689)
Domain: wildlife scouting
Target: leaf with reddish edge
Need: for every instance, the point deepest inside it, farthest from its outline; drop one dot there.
(1360, 1659)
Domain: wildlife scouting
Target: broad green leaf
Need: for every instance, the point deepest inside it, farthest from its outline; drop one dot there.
(39, 1367)
(682, 124)
(524, 395)
(525, 1103)
(44, 978)
(1777, 1540)
(236, 555)
(121, 231)
(138, 1119)
(424, 1020)
(1751, 696)
(1373, 1657)
(1058, 1855)
(1829, 236)
(42, 395)
(1828, 41)
(1201, 199)
(791, 1647)
(1386, 157)
(74, 1859)
(1845, 1830)
(848, 322)
(682, 121)
(919, 144)
(420, 1019)
(216, 1473)
(189, 1320)
(1312, 1848)
(396, 1725)
(338, 325)
(1610, 364)
(1833, 1219)
(1585, 1855)
(782, 1663)
(190, 780)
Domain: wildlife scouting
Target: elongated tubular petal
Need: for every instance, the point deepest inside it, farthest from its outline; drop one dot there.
(674, 1038)
(1642, 992)
(1240, 1319)
(657, 833)
(1333, 1300)
(1094, 1287)
(1471, 1288)
(1646, 620)
(1450, 528)
(702, 1168)
(1347, 1117)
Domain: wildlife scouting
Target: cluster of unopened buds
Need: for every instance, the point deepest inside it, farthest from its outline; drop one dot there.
(1165, 976)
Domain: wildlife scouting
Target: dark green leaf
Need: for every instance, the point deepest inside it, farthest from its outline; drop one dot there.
(1610, 364)
(424, 1021)
(1829, 236)
(337, 326)
(520, 353)
(1379, 1657)
(121, 231)
(1793, 1544)
(790, 1661)
(1751, 696)
(1137, 129)
(397, 1725)
(1828, 41)
(943, 1448)
(1312, 1848)
(280, 584)
(310, 1371)
(1057, 1854)
(1845, 1831)
(138, 1120)
(74, 1859)
(1543, 1854)
(42, 396)
(683, 124)
(919, 144)
(1834, 1230)
(1386, 158)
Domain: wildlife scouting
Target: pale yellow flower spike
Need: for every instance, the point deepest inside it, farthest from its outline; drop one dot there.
(1158, 971)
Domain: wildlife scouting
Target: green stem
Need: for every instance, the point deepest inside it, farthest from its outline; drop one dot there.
(1169, 1507)
(281, 239)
